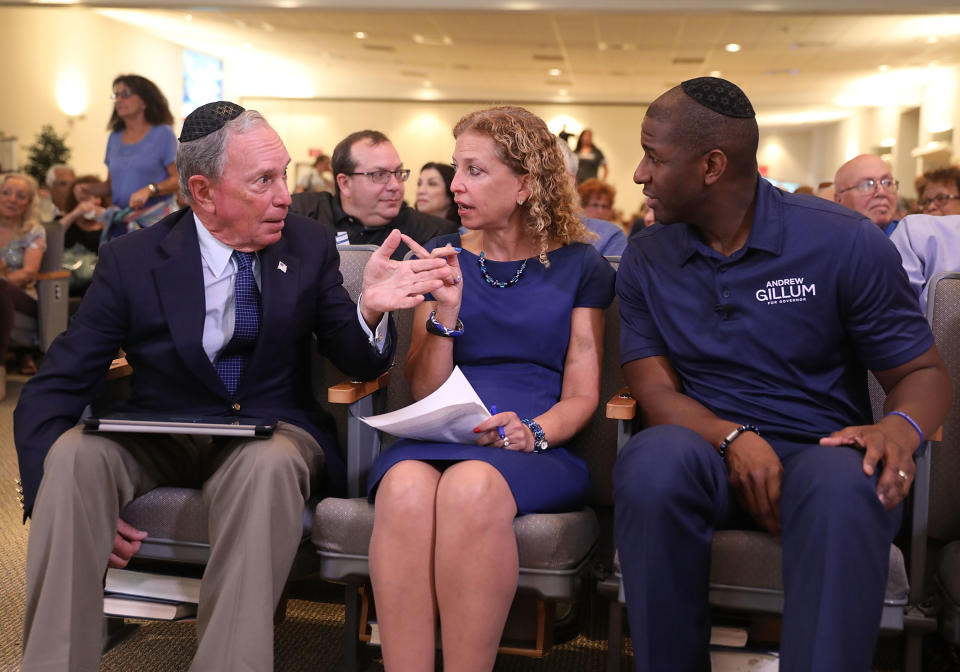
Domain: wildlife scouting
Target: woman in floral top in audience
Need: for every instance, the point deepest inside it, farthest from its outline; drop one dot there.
(22, 243)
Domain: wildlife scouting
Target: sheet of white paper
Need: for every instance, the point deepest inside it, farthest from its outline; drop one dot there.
(449, 414)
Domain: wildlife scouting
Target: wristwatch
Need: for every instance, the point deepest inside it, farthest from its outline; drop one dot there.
(154, 189)
(539, 438)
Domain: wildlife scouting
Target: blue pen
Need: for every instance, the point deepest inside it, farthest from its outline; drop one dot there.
(493, 411)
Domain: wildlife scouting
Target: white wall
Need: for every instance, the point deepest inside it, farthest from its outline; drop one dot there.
(47, 47)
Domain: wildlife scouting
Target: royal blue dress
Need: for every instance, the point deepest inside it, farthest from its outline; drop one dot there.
(512, 351)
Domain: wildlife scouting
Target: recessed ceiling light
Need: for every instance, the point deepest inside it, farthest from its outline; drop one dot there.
(189, 17)
(601, 46)
(554, 72)
(447, 40)
(418, 39)
(268, 27)
(562, 92)
(733, 47)
(716, 73)
(884, 68)
(360, 35)
(888, 142)
(932, 39)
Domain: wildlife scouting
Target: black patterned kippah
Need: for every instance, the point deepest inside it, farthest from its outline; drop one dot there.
(208, 118)
(720, 96)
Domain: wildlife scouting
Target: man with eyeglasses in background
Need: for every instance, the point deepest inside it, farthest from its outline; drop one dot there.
(865, 184)
(368, 204)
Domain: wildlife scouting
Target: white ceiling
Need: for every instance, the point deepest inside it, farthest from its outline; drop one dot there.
(791, 61)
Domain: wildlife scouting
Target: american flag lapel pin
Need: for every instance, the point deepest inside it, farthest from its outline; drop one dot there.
(282, 266)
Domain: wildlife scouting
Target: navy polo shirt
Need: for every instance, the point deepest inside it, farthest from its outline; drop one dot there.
(780, 333)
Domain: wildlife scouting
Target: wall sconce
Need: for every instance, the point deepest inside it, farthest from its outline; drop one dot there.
(71, 97)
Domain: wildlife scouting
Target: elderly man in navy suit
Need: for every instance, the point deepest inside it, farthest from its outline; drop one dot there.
(215, 307)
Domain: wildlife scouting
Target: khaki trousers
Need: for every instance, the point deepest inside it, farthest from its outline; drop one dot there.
(255, 491)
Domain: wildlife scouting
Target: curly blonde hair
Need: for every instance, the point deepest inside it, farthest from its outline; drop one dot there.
(527, 147)
(30, 218)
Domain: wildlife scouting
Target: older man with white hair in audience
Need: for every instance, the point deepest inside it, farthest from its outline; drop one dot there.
(59, 177)
(865, 184)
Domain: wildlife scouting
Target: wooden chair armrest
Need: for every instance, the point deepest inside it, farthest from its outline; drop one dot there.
(119, 368)
(622, 406)
(937, 435)
(350, 391)
(53, 275)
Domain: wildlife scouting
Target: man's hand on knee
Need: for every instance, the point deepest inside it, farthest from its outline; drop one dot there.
(878, 447)
(755, 476)
(126, 544)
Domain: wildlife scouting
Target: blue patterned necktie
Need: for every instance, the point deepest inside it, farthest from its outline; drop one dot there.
(246, 326)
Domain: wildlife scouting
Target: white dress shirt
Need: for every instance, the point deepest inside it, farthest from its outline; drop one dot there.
(219, 272)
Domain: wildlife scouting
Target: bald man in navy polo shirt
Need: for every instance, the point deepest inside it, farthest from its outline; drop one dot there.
(750, 318)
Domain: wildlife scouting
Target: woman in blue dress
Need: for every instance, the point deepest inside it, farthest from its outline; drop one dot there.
(524, 322)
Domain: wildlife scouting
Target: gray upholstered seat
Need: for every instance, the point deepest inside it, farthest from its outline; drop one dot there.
(554, 549)
(176, 517)
(746, 565)
(943, 311)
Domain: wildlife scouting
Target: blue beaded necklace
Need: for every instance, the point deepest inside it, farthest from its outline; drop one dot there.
(499, 283)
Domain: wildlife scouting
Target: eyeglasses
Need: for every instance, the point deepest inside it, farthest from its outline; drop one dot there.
(122, 93)
(869, 185)
(383, 176)
(939, 199)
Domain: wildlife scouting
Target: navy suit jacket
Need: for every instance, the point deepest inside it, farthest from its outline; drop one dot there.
(147, 297)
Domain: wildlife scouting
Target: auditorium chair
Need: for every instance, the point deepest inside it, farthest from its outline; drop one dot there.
(943, 311)
(556, 551)
(746, 566)
(52, 297)
(176, 517)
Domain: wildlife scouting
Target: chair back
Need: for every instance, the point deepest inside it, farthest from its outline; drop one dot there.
(597, 442)
(53, 255)
(943, 312)
(398, 391)
(353, 259)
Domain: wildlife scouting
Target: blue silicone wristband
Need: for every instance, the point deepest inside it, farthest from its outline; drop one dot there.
(912, 424)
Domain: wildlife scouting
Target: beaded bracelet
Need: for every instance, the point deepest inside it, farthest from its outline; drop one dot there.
(540, 444)
(732, 436)
(434, 327)
(912, 423)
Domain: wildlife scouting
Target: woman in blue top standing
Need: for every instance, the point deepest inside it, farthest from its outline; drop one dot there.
(142, 148)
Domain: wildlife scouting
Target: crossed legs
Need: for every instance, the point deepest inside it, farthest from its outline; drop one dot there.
(443, 541)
